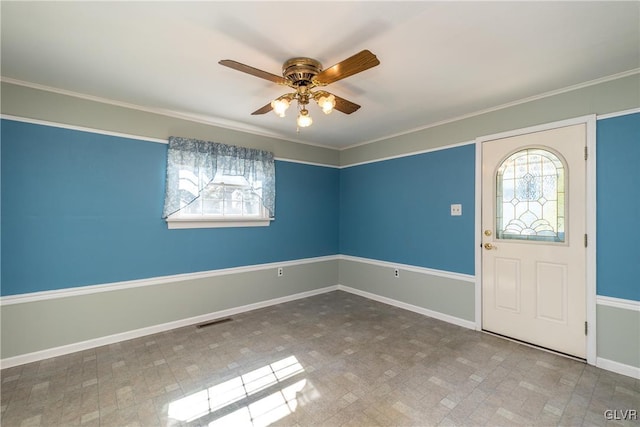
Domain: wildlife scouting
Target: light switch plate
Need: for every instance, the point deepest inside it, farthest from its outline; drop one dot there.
(456, 209)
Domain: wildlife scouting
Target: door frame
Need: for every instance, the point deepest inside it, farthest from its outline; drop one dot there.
(590, 218)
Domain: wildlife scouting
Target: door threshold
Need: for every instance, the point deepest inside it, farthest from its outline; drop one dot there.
(538, 347)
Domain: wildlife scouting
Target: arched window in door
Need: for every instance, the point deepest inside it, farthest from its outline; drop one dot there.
(530, 196)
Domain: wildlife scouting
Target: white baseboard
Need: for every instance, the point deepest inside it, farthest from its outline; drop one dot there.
(416, 309)
(619, 368)
(137, 333)
(609, 365)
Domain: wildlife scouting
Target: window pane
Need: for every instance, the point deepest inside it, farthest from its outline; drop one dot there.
(251, 204)
(212, 207)
(530, 197)
(194, 208)
(226, 196)
(233, 201)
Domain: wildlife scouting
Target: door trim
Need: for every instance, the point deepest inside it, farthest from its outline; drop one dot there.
(590, 218)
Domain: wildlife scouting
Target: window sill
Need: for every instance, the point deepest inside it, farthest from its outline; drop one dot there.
(182, 223)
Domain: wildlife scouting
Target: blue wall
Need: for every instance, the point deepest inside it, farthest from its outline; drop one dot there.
(399, 210)
(618, 194)
(81, 208)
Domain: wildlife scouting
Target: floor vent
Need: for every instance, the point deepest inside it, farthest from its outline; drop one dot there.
(214, 322)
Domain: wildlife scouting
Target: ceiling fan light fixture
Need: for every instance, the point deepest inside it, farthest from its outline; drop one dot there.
(304, 119)
(304, 75)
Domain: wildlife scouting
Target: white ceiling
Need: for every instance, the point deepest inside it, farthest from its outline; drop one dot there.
(439, 60)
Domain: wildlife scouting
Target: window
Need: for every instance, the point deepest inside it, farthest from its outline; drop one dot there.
(217, 185)
(226, 196)
(530, 202)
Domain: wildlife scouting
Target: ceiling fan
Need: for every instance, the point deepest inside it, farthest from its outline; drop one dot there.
(305, 74)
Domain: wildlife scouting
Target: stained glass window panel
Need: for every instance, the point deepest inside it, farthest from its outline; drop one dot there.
(530, 196)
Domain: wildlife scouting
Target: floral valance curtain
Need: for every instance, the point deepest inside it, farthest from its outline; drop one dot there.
(205, 158)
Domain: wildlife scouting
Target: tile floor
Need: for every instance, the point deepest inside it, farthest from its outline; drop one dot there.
(330, 360)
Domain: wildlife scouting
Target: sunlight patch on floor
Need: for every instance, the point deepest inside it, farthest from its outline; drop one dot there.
(262, 412)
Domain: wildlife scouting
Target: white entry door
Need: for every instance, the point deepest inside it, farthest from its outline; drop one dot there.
(533, 238)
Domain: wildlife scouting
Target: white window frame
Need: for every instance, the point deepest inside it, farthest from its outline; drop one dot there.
(180, 220)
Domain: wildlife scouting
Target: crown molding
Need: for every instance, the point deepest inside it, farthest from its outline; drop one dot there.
(502, 106)
(195, 118)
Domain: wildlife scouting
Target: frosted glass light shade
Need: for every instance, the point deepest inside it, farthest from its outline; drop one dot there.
(327, 103)
(280, 106)
(304, 119)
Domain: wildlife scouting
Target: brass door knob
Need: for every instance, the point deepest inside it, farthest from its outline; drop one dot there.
(489, 246)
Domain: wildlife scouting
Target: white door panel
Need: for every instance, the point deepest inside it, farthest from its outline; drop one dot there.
(507, 284)
(533, 224)
(551, 292)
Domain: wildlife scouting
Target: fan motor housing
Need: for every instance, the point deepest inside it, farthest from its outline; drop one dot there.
(301, 71)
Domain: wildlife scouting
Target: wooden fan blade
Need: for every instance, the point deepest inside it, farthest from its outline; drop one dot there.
(345, 106)
(253, 71)
(262, 110)
(355, 64)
